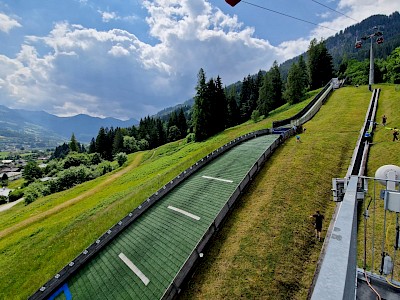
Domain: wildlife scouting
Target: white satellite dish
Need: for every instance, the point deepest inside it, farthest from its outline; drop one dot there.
(386, 173)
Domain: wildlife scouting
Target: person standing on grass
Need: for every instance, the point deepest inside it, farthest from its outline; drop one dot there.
(318, 224)
(395, 134)
(384, 119)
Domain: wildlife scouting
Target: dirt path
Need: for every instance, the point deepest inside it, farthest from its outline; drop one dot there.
(72, 201)
(9, 205)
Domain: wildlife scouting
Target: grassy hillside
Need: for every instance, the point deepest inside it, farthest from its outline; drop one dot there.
(37, 240)
(383, 152)
(266, 248)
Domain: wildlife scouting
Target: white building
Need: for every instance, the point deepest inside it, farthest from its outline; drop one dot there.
(4, 191)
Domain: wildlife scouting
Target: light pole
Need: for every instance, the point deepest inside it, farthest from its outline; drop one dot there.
(371, 68)
(379, 40)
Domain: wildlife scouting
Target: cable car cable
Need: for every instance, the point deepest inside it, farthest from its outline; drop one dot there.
(286, 15)
(335, 10)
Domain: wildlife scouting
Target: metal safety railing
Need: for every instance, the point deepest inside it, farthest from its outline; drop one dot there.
(381, 229)
(309, 110)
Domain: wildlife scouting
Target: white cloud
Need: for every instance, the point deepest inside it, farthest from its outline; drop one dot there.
(324, 15)
(118, 50)
(355, 10)
(192, 32)
(7, 23)
(290, 49)
(114, 73)
(108, 16)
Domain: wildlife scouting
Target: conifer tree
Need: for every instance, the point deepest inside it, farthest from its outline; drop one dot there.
(270, 95)
(257, 83)
(92, 146)
(304, 73)
(320, 69)
(73, 144)
(110, 134)
(249, 95)
(161, 133)
(61, 151)
(232, 112)
(118, 142)
(199, 118)
(246, 106)
(177, 118)
(133, 132)
(219, 114)
(101, 142)
(210, 106)
(295, 88)
(173, 119)
(182, 123)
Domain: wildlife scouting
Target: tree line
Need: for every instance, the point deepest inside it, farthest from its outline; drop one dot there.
(258, 95)
(385, 70)
(215, 107)
(62, 173)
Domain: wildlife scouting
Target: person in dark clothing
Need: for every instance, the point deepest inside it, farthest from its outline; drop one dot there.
(384, 119)
(318, 224)
(395, 134)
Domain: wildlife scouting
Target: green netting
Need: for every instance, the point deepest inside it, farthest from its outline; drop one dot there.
(161, 240)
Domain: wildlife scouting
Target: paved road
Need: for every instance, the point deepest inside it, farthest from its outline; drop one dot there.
(4, 207)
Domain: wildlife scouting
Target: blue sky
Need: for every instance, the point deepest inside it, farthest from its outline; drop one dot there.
(133, 58)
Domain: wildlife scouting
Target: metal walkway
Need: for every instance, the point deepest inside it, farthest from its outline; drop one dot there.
(143, 261)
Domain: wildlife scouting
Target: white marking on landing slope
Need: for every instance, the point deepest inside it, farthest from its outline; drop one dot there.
(184, 212)
(219, 179)
(134, 269)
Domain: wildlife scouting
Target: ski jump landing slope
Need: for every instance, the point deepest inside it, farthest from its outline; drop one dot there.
(150, 258)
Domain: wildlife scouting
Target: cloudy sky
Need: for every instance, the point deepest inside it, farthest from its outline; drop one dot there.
(132, 58)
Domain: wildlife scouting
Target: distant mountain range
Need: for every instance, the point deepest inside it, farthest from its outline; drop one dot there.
(37, 129)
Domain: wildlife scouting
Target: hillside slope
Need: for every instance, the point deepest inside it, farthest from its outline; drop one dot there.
(33, 251)
(267, 249)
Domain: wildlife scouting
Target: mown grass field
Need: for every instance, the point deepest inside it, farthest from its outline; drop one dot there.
(14, 184)
(266, 249)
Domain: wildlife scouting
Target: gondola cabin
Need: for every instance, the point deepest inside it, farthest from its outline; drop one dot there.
(358, 44)
(379, 40)
(232, 2)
